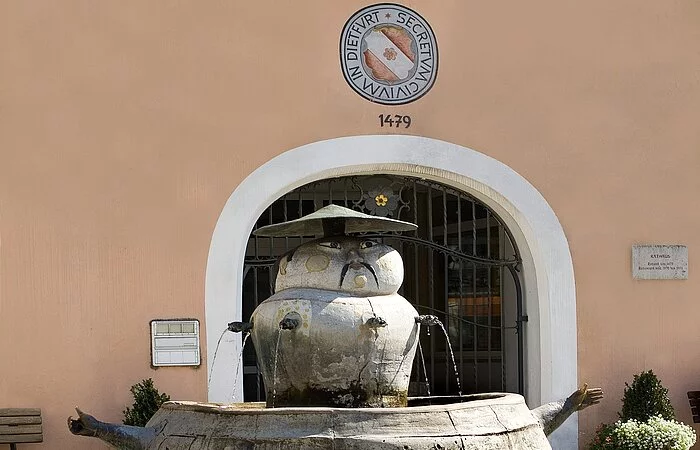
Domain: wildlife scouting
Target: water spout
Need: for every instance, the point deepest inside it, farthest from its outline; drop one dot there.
(240, 327)
(376, 322)
(428, 320)
(290, 322)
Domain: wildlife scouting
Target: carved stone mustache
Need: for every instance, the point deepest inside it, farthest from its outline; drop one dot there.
(367, 266)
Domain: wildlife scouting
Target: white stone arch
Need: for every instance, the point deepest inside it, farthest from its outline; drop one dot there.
(548, 284)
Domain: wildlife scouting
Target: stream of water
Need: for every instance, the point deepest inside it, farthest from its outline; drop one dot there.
(452, 356)
(425, 370)
(213, 360)
(239, 362)
(274, 370)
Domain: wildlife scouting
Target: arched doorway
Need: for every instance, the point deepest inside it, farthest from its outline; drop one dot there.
(549, 300)
(461, 265)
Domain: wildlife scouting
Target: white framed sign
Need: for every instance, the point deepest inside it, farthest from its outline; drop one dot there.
(175, 342)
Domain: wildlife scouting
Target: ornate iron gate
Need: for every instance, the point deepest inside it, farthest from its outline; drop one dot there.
(460, 265)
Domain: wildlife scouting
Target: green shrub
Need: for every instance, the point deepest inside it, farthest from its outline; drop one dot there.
(147, 401)
(646, 398)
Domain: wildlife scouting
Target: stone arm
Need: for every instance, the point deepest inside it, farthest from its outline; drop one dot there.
(552, 415)
(123, 437)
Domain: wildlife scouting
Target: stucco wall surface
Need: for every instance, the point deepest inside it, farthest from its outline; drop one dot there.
(125, 126)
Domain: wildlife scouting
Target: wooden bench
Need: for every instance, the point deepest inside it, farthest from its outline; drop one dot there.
(694, 399)
(20, 426)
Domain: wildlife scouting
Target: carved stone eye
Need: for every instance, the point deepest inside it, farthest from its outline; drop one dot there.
(330, 244)
(366, 244)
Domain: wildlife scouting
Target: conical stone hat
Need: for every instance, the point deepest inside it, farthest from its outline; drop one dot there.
(334, 220)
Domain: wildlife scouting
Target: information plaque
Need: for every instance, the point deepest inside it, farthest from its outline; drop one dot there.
(660, 262)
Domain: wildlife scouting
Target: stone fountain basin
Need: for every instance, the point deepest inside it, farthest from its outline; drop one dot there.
(484, 421)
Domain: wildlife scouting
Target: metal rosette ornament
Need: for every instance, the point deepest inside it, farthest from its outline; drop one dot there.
(389, 54)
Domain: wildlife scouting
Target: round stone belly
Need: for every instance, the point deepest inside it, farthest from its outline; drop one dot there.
(339, 351)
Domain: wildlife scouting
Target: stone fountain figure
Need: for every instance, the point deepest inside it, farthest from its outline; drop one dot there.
(336, 333)
(335, 345)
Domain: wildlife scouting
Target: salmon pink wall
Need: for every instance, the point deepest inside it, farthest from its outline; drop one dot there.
(125, 126)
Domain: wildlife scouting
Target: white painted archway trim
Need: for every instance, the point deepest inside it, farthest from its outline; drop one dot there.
(549, 292)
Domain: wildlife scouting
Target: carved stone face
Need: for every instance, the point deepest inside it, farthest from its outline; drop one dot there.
(347, 264)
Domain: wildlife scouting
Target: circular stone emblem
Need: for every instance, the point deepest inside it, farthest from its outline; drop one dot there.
(388, 54)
